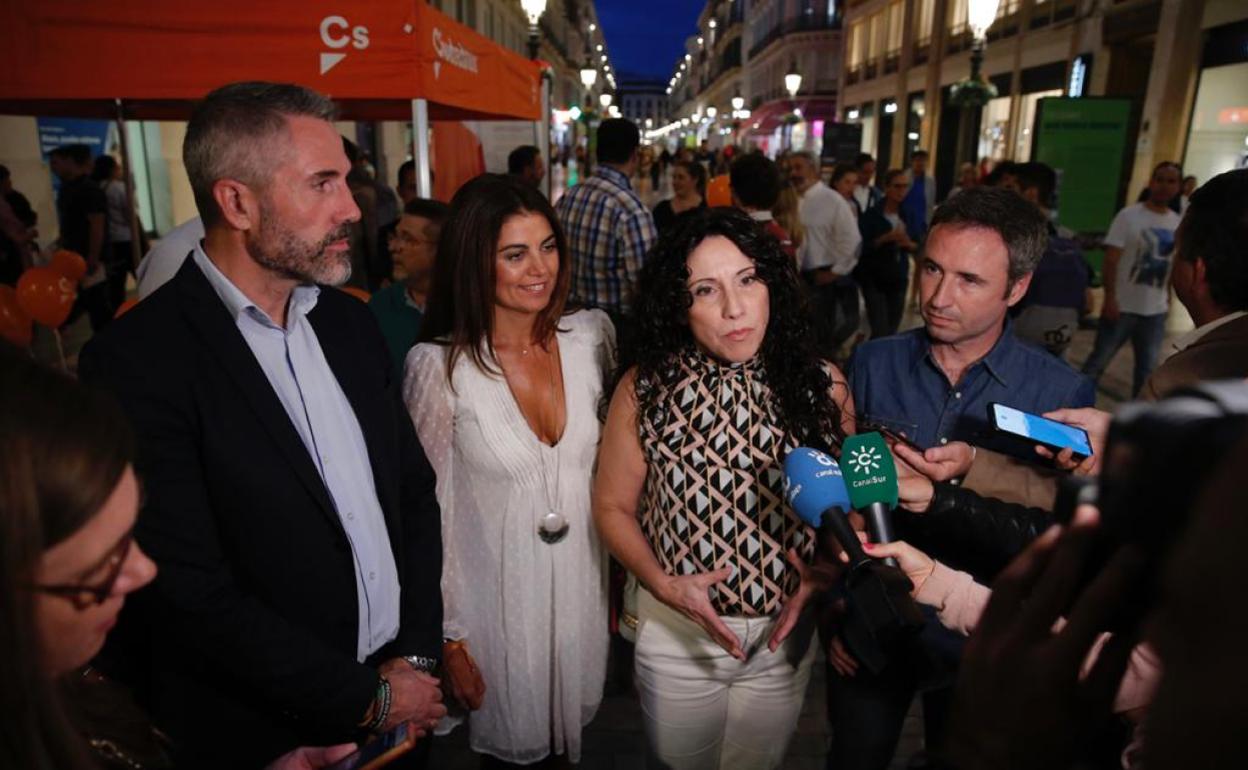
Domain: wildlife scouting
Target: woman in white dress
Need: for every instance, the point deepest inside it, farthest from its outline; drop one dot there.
(504, 390)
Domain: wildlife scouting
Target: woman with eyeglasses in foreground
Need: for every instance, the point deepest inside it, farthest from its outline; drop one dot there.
(69, 499)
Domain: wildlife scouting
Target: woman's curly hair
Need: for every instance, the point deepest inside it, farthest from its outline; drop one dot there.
(796, 375)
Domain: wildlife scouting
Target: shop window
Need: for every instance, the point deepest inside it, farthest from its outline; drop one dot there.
(1218, 139)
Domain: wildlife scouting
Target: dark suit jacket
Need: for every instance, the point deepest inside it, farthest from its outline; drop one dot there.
(1218, 355)
(245, 644)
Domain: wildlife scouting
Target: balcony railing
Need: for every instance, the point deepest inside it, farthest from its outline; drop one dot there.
(922, 51)
(793, 26)
(892, 60)
(853, 76)
(1051, 11)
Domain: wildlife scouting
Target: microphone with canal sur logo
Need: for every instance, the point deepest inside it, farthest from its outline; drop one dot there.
(871, 478)
(880, 617)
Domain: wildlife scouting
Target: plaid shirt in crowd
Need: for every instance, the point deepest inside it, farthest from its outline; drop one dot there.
(609, 232)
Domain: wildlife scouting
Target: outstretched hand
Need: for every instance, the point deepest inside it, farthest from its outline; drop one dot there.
(1020, 701)
(940, 463)
(1096, 424)
(815, 579)
(690, 596)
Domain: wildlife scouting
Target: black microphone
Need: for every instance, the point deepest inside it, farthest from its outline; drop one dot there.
(880, 617)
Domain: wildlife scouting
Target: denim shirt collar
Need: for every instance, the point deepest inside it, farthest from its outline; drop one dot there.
(997, 362)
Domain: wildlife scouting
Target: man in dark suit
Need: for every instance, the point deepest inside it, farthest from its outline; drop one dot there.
(290, 508)
(1210, 278)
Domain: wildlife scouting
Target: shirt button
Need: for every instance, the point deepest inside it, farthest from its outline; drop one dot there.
(958, 394)
(350, 516)
(372, 576)
(944, 441)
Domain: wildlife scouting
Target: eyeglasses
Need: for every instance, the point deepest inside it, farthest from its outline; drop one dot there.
(85, 595)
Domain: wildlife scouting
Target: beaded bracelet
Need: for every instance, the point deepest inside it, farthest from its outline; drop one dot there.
(382, 712)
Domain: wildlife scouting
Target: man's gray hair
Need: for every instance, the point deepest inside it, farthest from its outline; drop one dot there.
(231, 133)
(809, 157)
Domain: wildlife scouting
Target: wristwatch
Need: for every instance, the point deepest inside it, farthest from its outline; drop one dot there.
(423, 663)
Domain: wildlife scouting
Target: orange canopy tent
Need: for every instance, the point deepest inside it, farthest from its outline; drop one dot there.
(152, 59)
(372, 56)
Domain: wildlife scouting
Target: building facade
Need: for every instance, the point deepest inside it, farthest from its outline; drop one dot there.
(903, 57)
(741, 52)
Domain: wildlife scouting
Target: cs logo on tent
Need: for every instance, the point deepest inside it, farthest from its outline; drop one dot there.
(337, 33)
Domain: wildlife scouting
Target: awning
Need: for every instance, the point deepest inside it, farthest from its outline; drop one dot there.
(771, 114)
(373, 57)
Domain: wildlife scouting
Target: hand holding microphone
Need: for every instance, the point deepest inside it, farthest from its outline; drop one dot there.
(880, 613)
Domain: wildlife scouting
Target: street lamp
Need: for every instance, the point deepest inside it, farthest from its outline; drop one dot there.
(738, 102)
(710, 112)
(604, 99)
(792, 80)
(972, 94)
(589, 74)
(534, 10)
(649, 123)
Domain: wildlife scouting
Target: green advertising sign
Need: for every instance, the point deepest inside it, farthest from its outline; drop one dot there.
(1085, 141)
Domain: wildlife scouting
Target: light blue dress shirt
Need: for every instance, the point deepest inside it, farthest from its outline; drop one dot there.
(295, 366)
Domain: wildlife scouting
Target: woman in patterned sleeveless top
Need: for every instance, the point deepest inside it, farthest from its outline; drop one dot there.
(726, 382)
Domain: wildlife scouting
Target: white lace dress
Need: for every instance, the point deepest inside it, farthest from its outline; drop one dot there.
(534, 614)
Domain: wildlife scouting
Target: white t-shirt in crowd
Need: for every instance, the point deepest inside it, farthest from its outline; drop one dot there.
(166, 257)
(832, 237)
(1147, 242)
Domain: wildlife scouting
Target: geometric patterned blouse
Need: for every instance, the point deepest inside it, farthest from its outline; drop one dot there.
(714, 495)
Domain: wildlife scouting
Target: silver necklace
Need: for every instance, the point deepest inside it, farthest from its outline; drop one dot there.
(553, 527)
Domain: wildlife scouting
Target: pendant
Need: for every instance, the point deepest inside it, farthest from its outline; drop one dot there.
(553, 528)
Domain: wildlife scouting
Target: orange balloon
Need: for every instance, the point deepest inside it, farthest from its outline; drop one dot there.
(69, 264)
(15, 323)
(357, 292)
(46, 295)
(718, 191)
(121, 310)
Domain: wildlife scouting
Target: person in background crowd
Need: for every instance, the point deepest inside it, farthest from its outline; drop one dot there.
(1139, 251)
(119, 259)
(1185, 195)
(383, 267)
(688, 194)
(525, 163)
(756, 184)
(844, 180)
(658, 167)
(364, 231)
(1049, 312)
(785, 211)
(608, 229)
(921, 199)
(69, 500)
(725, 360)
(967, 178)
(164, 259)
(290, 507)
(504, 391)
(866, 194)
(17, 230)
(884, 267)
(917, 206)
(828, 254)
(934, 384)
(83, 212)
(1004, 174)
(387, 205)
(399, 306)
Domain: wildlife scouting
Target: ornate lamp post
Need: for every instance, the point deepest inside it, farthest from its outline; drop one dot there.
(534, 10)
(972, 94)
(792, 83)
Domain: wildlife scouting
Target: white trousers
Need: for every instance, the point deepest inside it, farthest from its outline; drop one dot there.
(705, 710)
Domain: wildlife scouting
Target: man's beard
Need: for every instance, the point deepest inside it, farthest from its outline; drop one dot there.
(283, 252)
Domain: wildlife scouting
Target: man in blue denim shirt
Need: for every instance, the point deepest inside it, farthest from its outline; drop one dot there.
(934, 384)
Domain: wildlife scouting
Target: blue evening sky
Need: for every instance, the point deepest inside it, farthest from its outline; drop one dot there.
(645, 37)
